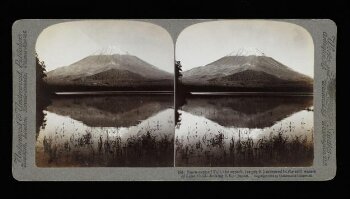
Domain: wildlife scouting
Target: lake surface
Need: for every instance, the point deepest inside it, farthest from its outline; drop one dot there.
(107, 131)
(139, 130)
(245, 130)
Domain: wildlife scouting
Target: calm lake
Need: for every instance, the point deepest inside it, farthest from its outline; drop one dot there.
(139, 130)
(245, 130)
(107, 131)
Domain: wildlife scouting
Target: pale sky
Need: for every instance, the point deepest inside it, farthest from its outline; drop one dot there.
(203, 43)
(65, 43)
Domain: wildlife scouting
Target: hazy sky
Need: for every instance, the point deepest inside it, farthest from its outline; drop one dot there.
(206, 42)
(65, 43)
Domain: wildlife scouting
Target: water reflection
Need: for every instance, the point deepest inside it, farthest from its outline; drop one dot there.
(245, 131)
(130, 131)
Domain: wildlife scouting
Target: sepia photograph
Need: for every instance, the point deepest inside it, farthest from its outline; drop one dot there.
(105, 95)
(244, 95)
(174, 99)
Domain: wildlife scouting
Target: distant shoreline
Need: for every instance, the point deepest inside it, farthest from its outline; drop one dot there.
(189, 93)
(255, 93)
(115, 93)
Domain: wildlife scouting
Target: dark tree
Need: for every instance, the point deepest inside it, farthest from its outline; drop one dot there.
(42, 94)
(180, 92)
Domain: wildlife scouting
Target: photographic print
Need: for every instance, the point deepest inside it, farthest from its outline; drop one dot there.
(104, 95)
(244, 95)
(174, 99)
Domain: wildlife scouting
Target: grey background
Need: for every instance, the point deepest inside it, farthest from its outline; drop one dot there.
(315, 27)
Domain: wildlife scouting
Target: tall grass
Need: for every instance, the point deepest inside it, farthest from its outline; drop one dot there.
(276, 149)
(144, 150)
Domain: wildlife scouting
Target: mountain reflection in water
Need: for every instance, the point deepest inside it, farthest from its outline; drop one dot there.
(139, 131)
(247, 111)
(245, 131)
(126, 131)
(110, 111)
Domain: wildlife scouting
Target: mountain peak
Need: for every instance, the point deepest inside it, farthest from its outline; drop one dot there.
(246, 52)
(111, 69)
(235, 60)
(111, 50)
(238, 69)
(240, 56)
